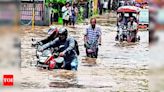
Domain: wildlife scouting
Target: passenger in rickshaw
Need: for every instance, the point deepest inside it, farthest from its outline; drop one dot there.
(122, 25)
(121, 19)
(132, 25)
(132, 29)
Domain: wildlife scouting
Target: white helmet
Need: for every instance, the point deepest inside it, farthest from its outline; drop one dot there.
(51, 30)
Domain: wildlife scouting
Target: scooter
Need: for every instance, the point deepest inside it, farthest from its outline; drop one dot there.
(49, 58)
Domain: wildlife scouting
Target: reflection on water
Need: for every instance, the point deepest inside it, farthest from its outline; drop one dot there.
(64, 85)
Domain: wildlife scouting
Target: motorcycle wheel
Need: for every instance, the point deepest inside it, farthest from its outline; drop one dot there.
(44, 67)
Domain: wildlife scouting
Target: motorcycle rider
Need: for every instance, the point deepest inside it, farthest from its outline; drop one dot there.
(92, 35)
(68, 51)
(53, 34)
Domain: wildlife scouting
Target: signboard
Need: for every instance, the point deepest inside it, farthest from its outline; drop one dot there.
(160, 17)
(144, 16)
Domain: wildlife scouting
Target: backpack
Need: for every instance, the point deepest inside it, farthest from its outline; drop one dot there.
(77, 48)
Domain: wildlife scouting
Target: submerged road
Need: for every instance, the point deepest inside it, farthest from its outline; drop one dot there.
(119, 67)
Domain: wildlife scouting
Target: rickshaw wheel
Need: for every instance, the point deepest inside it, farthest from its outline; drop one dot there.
(121, 39)
(116, 38)
(138, 38)
(134, 39)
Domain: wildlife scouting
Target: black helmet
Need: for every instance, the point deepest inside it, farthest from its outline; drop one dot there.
(63, 33)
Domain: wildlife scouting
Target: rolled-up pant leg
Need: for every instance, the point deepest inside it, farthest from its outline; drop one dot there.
(74, 64)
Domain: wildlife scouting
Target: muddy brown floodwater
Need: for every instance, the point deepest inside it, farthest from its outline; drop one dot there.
(119, 67)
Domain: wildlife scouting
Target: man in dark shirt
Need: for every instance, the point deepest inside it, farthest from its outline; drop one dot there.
(67, 51)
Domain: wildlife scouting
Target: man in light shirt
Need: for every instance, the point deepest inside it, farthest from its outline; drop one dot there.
(132, 25)
(132, 28)
(105, 6)
(65, 14)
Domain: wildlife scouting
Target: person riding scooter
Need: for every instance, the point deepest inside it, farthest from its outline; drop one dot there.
(53, 34)
(68, 52)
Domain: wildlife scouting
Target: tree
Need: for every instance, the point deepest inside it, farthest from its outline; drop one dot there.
(48, 2)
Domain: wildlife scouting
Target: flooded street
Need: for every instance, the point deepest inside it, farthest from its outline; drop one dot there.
(119, 67)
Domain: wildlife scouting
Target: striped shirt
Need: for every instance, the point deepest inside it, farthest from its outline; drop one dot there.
(93, 35)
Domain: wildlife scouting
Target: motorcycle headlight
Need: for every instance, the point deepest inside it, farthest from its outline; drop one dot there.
(42, 59)
(39, 53)
(46, 53)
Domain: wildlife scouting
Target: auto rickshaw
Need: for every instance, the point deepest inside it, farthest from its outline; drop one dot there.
(124, 14)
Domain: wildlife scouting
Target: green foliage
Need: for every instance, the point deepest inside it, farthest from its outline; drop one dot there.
(95, 12)
(80, 15)
(47, 2)
(61, 1)
(55, 10)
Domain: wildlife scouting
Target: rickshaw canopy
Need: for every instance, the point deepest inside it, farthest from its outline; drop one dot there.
(128, 9)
